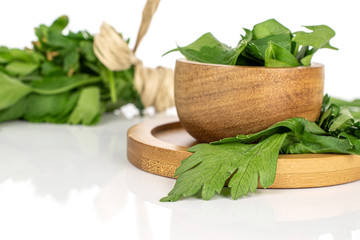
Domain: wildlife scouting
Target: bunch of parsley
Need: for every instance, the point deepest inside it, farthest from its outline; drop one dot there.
(269, 44)
(60, 80)
(246, 160)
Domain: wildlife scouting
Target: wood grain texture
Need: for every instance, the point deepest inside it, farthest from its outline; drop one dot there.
(218, 101)
(159, 145)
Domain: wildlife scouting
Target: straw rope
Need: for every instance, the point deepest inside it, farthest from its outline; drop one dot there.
(155, 85)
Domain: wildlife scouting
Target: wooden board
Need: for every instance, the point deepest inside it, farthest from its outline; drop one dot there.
(158, 146)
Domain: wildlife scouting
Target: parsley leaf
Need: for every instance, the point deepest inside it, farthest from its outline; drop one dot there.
(245, 161)
(268, 44)
(11, 91)
(87, 110)
(61, 80)
(216, 163)
(208, 49)
(268, 28)
(318, 38)
(277, 56)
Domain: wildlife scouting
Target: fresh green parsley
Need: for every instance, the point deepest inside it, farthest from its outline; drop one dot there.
(60, 80)
(245, 161)
(268, 44)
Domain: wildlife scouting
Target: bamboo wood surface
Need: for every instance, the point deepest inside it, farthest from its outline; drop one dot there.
(218, 101)
(157, 146)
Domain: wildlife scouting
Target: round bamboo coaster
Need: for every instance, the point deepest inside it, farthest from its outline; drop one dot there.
(157, 146)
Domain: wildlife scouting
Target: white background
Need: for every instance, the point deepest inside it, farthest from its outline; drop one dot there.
(183, 21)
(74, 182)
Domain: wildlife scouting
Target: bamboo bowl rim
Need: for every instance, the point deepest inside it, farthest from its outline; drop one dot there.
(313, 65)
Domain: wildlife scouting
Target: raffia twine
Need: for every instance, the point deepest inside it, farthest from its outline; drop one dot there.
(155, 85)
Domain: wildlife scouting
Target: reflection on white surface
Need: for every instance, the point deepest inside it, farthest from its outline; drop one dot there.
(74, 182)
(318, 213)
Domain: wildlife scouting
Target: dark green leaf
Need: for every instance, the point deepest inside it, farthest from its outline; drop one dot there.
(17, 68)
(56, 40)
(11, 91)
(257, 48)
(14, 112)
(211, 165)
(42, 33)
(59, 84)
(87, 110)
(50, 108)
(91, 68)
(60, 23)
(86, 49)
(248, 35)
(109, 79)
(305, 55)
(247, 60)
(302, 53)
(306, 61)
(335, 119)
(295, 125)
(311, 143)
(326, 119)
(72, 61)
(261, 166)
(81, 35)
(268, 28)
(318, 38)
(277, 56)
(325, 103)
(354, 141)
(5, 55)
(20, 55)
(342, 121)
(49, 68)
(294, 48)
(208, 49)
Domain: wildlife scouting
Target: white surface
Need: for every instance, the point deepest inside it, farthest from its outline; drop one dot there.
(183, 21)
(75, 182)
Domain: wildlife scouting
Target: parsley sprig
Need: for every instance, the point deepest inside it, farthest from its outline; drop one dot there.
(245, 161)
(269, 44)
(60, 79)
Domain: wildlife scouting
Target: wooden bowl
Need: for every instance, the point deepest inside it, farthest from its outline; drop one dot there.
(217, 101)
